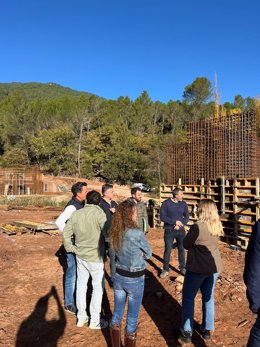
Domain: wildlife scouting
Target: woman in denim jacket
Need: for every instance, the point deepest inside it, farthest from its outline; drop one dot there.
(131, 249)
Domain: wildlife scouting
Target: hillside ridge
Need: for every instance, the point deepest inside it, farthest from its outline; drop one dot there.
(39, 91)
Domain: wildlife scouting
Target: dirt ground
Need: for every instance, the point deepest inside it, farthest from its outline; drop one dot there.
(31, 283)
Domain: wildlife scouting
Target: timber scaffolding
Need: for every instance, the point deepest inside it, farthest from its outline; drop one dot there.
(225, 146)
(20, 181)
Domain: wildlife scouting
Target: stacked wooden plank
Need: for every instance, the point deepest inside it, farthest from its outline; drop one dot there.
(237, 201)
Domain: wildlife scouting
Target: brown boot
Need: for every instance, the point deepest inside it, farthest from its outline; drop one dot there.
(115, 334)
(130, 339)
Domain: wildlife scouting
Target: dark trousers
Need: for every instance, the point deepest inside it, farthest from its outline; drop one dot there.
(254, 337)
(169, 237)
(112, 257)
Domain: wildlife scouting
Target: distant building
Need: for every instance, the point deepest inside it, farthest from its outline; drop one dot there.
(20, 181)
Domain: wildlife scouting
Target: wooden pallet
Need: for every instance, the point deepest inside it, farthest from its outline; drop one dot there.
(237, 200)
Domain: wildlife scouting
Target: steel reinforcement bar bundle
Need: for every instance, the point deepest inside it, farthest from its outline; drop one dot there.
(226, 146)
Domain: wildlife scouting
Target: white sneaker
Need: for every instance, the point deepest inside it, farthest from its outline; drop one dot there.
(164, 274)
(81, 323)
(102, 324)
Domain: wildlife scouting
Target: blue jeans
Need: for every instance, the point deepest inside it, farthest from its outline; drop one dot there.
(254, 337)
(134, 289)
(96, 271)
(70, 280)
(169, 237)
(192, 283)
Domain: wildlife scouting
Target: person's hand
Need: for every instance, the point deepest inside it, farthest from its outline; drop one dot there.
(112, 210)
(176, 227)
(179, 223)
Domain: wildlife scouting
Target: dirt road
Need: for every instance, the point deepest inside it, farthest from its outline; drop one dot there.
(31, 310)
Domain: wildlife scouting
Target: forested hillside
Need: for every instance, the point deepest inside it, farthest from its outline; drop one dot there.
(76, 133)
(39, 91)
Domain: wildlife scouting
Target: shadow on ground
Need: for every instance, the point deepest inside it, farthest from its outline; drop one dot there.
(36, 331)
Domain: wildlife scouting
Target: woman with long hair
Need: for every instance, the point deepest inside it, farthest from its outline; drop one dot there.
(131, 249)
(202, 268)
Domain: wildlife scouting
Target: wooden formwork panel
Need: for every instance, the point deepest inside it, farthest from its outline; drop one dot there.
(241, 242)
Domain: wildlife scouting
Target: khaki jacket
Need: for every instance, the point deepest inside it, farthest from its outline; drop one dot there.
(87, 227)
(142, 218)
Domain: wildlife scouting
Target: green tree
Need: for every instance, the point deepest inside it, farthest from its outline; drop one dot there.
(239, 102)
(228, 107)
(142, 115)
(198, 92)
(80, 120)
(53, 150)
(250, 104)
(14, 156)
(175, 117)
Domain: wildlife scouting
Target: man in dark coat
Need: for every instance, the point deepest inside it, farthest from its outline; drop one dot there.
(109, 206)
(252, 282)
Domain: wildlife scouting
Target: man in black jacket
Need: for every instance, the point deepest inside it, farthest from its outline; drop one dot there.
(107, 203)
(109, 206)
(252, 282)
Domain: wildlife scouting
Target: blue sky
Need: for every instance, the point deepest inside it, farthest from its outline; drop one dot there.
(123, 47)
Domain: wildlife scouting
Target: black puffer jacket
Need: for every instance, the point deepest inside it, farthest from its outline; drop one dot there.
(252, 269)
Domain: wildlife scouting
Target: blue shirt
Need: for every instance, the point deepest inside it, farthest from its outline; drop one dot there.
(172, 211)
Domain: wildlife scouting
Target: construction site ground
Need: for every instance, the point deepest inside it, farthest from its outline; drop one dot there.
(31, 282)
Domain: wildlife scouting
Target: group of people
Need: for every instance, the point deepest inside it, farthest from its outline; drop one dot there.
(102, 227)
(92, 231)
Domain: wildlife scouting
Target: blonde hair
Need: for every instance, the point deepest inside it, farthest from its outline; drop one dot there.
(208, 213)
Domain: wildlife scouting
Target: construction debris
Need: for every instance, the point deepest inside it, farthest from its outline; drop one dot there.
(179, 281)
(243, 323)
(21, 227)
(13, 230)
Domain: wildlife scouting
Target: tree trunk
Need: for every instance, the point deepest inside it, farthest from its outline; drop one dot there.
(79, 149)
